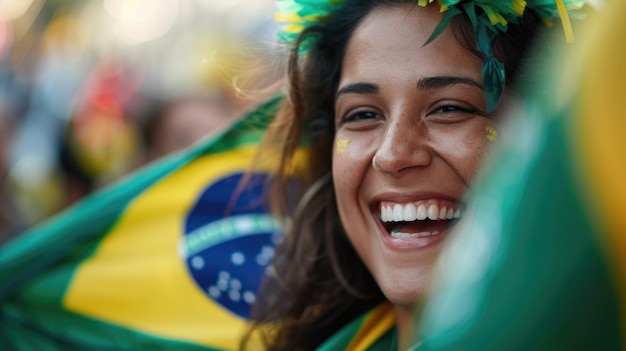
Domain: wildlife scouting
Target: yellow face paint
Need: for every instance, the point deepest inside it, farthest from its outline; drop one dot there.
(342, 145)
(492, 133)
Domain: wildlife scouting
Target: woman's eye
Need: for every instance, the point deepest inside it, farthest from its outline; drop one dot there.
(454, 108)
(359, 116)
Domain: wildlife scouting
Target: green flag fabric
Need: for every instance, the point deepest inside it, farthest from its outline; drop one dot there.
(374, 330)
(168, 259)
(539, 263)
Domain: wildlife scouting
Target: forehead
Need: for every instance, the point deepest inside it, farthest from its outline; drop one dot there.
(390, 42)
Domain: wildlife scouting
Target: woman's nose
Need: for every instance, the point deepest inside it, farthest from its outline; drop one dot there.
(404, 146)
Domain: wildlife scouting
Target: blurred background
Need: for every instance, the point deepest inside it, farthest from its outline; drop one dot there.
(93, 89)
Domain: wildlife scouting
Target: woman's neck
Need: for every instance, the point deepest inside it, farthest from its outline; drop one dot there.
(405, 322)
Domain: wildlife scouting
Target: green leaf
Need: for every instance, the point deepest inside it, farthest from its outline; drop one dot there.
(493, 81)
(453, 11)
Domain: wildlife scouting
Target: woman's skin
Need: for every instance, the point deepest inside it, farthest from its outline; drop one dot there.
(411, 130)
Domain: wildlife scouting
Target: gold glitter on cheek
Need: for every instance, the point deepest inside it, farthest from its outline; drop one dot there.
(342, 145)
(492, 134)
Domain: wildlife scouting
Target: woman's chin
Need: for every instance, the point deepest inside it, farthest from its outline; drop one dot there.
(405, 295)
(405, 282)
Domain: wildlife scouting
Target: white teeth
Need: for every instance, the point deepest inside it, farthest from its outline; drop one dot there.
(442, 213)
(433, 212)
(413, 235)
(397, 213)
(410, 212)
(386, 214)
(421, 213)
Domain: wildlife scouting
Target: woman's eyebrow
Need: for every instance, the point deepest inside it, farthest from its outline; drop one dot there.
(444, 81)
(358, 88)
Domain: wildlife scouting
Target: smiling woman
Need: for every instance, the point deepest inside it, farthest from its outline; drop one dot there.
(416, 137)
(399, 101)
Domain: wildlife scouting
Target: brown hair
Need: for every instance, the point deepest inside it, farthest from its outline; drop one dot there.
(320, 283)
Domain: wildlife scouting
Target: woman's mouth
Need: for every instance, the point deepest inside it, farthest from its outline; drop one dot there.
(418, 219)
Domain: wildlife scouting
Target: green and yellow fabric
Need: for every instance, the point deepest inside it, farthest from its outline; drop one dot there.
(374, 331)
(539, 262)
(168, 259)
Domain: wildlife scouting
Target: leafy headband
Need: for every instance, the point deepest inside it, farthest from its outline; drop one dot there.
(493, 19)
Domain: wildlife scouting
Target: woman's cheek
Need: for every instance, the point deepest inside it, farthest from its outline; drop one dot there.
(478, 143)
(351, 156)
(464, 148)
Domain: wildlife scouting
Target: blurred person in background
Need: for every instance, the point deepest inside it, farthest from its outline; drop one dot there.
(170, 125)
(99, 142)
(93, 153)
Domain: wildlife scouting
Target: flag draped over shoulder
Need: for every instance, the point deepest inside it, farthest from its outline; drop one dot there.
(373, 331)
(168, 259)
(539, 262)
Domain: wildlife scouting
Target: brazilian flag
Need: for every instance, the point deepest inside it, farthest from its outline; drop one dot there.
(540, 262)
(168, 259)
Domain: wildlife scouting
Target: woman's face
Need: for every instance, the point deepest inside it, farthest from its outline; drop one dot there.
(411, 130)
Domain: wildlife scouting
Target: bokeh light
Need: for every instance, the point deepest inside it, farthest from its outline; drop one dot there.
(138, 21)
(14, 9)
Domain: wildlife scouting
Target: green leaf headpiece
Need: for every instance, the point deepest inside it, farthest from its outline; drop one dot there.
(488, 23)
